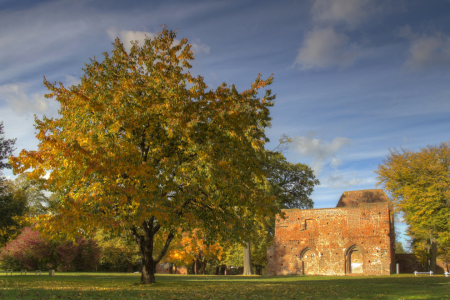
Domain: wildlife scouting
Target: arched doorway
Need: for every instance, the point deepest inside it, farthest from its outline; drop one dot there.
(309, 261)
(354, 260)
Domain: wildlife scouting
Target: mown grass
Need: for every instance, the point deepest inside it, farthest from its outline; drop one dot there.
(126, 286)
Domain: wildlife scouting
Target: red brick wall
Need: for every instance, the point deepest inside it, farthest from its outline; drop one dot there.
(322, 241)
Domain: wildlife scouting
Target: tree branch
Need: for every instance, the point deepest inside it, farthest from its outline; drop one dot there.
(166, 247)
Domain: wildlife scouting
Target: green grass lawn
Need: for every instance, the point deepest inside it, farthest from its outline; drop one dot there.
(126, 286)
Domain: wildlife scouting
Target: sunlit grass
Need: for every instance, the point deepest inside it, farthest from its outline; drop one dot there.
(127, 286)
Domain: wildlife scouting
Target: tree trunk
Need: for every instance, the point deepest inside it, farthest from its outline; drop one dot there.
(148, 275)
(129, 267)
(258, 270)
(196, 266)
(433, 252)
(200, 266)
(145, 243)
(247, 260)
(191, 268)
(222, 269)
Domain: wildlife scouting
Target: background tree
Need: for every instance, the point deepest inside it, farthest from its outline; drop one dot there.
(233, 255)
(290, 185)
(6, 149)
(37, 202)
(142, 147)
(419, 186)
(260, 240)
(22, 200)
(19, 199)
(13, 212)
(118, 252)
(399, 248)
(12, 205)
(193, 247)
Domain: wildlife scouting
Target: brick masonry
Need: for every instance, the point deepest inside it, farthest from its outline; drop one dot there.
(355, 238)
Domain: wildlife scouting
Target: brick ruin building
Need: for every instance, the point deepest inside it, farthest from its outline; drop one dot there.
(355, 238)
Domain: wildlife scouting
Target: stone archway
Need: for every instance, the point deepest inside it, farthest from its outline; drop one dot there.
(354, 259)
(310, 261)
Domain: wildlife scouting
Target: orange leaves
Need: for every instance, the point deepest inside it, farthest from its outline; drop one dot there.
(193, 245)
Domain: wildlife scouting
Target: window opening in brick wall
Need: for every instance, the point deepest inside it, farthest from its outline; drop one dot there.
(308, 224)
(309, 261)
(356, 264)
(354, 260)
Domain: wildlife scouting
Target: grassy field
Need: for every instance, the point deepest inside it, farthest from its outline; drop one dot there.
(126, 286)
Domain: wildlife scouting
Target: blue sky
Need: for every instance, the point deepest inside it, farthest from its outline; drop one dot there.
(353, 78)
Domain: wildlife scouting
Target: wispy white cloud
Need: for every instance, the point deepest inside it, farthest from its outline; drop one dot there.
(64, 33)
(324, 47)
(72, 80)
(335, 162)
(426, 51)
(126, 36)
(319, 150)
(15, 95)
(339, 180)
(350, 12)
(198, 48)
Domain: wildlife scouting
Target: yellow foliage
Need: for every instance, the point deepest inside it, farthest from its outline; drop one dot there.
(135, 144)
(193, 245)
(419, 183)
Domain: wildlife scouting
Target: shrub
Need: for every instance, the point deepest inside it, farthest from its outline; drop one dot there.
(30, 251)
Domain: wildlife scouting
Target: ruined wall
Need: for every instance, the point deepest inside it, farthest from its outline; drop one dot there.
(355, 240)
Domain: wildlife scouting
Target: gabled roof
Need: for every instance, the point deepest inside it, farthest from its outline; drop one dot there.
(354, 198)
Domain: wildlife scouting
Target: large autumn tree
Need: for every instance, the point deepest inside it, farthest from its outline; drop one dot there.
(419, 184)
(143, 147)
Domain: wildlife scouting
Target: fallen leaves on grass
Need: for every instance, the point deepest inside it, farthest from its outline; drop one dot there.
(118, 286)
